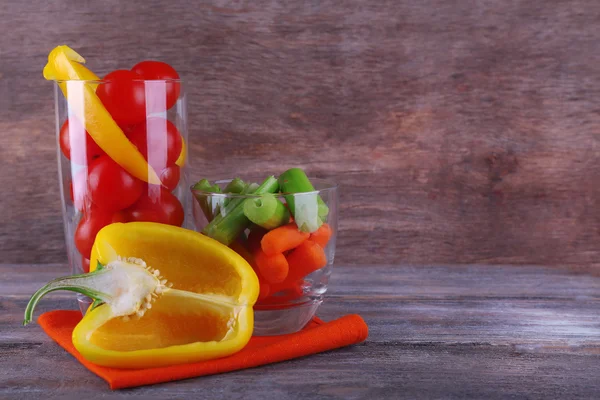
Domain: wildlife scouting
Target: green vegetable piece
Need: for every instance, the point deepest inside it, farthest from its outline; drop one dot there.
(232, 221)
(323, 210)
(233, 203)
(309, 209)
(202, 184)
(210, 205)
(235, 186)
(266, 211)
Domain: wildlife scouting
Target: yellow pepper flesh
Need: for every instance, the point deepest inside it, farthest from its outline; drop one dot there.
(183, 155)
(178, 329)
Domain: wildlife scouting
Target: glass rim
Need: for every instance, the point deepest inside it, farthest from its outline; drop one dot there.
(104, 81)
(330, 186)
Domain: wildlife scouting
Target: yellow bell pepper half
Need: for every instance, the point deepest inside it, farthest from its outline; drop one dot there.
(169, 296)
(65, 66)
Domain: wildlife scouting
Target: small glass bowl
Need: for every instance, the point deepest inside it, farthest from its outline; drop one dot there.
(295, 302)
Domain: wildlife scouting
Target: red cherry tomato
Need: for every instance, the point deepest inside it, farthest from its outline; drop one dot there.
(76, 144)
(157, 70)
(111, 188)
(157, 204)
(170, 177)
(172, 209)
(90, 225)
(126, 128)
(158, 140)
(134, 213)
(85, 264)
(124, 96)
(80, 194)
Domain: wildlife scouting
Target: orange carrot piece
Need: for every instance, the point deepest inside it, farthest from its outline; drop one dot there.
(291, 287)
(321, 236)
(293, 292)
(281, 239)
(265, 290)
(273, 268)
(306, 258)
(242, 251)
(303, 260)
(264, 287)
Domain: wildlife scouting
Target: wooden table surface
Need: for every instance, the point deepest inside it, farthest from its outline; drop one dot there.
(435, 332)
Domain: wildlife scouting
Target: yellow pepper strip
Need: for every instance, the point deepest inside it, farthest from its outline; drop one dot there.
(81, 71)
(169, 295)
(182, 156)
(64, 64)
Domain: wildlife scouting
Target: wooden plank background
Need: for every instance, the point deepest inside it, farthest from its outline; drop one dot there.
(460, 131)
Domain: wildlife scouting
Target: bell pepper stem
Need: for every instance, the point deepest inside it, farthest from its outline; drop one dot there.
(86, 284)
(126, 285)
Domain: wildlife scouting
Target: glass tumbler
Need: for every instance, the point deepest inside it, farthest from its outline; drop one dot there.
(122, 157)
(286, 302)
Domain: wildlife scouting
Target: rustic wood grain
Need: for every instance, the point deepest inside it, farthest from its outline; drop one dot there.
(459, 131)
(449, 332)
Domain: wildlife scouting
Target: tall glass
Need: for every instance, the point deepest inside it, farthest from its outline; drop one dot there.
(120, 158)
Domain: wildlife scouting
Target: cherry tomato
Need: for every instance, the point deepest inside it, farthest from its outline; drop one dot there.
(110, 187)
(157, 204)
(157, 70)
(80, 194)
(85, 264)
(76, 144)
(90, 225)
(135, 213)
(126, 128)
(170, 177)
(158, 140)
(124, 96)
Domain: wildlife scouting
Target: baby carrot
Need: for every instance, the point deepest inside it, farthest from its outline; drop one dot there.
(264, 287)
(264, 290)
(273, 268)
(306, 258)
(242, 251)
(281, 239)
(284, 295)
(321, 236)
(287, 288)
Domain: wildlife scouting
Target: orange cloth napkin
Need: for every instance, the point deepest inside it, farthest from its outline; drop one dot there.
(316, 337)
